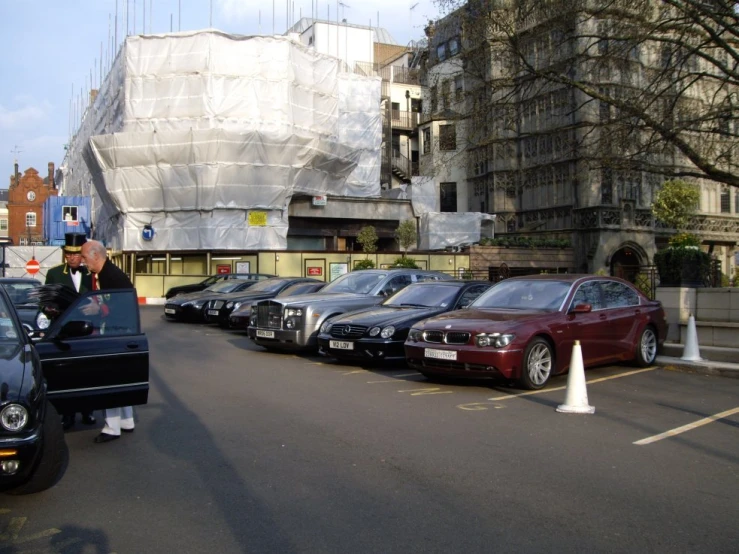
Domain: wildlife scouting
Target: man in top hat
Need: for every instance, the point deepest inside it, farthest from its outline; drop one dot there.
(74, 275)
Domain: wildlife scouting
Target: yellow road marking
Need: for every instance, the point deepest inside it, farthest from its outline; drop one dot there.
(420, 392)
(688, 427)
(394, 379)
(480, 406)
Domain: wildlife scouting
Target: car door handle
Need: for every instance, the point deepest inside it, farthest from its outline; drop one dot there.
(132, 345)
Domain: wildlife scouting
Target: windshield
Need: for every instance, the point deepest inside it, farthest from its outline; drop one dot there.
(18, 291)
(524, 295)
(267, 285)
(359, 282)
(430, 296)
(212, 279)
(226, 286)
(9, 333)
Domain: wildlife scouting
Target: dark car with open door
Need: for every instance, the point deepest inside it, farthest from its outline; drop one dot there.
(81, 363)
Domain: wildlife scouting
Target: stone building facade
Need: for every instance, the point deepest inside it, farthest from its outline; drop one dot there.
(537, 154)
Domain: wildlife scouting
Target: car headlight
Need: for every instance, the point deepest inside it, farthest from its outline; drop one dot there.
(387, 332)
(496, 340)
(198, 304)
(253, 321)
(229, 305)
(291, 323)
(374, 331)
(326, 327)
(42, 322)
(293, 312)
(237, 305)
(415, 335)
(14, 417)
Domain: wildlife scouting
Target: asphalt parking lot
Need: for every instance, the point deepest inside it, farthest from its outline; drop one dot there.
(242, 450)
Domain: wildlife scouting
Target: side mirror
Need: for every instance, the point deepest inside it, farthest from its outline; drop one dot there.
(75, 329)
(581, 309)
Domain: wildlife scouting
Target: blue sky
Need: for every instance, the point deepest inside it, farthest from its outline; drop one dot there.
(49, 48)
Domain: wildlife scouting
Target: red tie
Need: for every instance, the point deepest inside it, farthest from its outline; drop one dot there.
(94, 281)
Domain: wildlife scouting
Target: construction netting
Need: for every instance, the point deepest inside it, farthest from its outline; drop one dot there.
(206, 137)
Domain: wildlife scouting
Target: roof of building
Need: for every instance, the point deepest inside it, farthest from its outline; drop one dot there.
(305, 23)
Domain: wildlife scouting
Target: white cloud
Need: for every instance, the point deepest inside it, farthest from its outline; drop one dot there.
(23, 116)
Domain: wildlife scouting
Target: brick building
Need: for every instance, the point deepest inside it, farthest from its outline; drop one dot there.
(26, 197)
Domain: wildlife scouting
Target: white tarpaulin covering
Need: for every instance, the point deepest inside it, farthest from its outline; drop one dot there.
(16, 258)
(424, 195)
(193, 133)
(439, 230)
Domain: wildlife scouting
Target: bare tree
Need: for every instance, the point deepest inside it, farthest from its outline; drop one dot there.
(640, 85)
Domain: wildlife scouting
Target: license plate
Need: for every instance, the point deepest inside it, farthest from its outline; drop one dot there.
(212, 312)
(440, 354)
(341, 345)
(169, 310)
(265, 334)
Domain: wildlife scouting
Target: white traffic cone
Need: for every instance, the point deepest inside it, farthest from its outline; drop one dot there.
(691, 352)
(576, 401)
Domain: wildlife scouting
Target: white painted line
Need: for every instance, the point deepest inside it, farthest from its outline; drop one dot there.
(593, 381)
(688, 427)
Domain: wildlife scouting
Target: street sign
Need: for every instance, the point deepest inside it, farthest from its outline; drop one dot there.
(32, 267)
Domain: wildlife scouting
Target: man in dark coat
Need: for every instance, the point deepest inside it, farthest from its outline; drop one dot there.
(106, 275)
(74, 275)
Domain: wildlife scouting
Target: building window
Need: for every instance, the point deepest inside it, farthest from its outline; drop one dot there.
(453, 47)
(23, 241)
(31, 219)
(725, 200)
(434, 99)
(445, 93)
(69, 213)
(3, 224)
(448, 197)
(458, 88)
(441, 52)
(427, 140)
(447, 137)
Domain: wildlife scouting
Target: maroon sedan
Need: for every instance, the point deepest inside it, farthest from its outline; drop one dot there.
(523, 329)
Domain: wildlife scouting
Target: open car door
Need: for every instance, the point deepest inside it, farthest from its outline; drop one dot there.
(93, 362)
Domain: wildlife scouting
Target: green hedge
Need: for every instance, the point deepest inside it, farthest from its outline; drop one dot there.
(526, 242)
(683, 266)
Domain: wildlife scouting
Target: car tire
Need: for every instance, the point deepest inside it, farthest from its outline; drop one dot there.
(646, 347)
(52, 459)
(538, 364)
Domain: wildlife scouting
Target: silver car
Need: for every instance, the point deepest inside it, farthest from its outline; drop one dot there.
(292, 322)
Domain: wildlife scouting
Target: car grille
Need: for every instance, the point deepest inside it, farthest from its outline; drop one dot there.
(342, 331)
(217, 304)
(452, 337)
(452, 366)
(269, 315)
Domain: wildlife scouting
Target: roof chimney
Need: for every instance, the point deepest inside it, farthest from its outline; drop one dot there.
(51, 175)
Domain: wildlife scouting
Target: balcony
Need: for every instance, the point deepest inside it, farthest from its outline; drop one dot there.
(402, 120)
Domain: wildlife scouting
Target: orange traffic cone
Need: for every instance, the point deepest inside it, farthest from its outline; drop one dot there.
(576, 401)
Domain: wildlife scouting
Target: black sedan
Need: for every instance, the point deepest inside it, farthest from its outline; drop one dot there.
(219, 309)
(61, 373)
(240, 317)
(18, 289)
(191, 306)
(212, 280)
(378, 333)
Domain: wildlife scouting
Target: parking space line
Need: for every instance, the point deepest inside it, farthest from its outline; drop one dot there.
(685, 428)
(591, 382)
(421, 392)
(481, 406)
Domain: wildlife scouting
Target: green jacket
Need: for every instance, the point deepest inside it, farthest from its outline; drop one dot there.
(60, 274)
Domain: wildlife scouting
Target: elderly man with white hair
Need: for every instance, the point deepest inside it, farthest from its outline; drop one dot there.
(106, 275)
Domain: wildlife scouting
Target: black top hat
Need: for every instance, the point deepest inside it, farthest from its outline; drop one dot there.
(73, 242)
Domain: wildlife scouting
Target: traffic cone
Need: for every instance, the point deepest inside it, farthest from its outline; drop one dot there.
(576, 400)
(691, 352)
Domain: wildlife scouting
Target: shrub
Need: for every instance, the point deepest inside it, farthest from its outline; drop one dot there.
(364, 264)
(404, 262)
(687, 265)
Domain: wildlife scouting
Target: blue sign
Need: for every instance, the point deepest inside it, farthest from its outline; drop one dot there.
(148, 232)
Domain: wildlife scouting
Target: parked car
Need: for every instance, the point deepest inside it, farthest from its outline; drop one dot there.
(378, 333)
(212, 280)
(18, 289)
(523, 329)
(240, 317)
(191, 306)
(293, 322)
(219, 309)
(61, 372)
